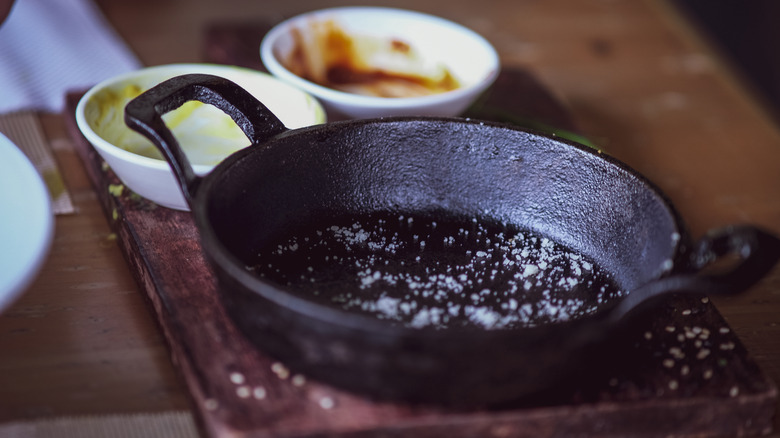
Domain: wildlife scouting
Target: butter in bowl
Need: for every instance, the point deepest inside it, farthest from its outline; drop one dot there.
(206, 134)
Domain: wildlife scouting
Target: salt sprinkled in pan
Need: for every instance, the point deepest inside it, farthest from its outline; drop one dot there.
(421, 273)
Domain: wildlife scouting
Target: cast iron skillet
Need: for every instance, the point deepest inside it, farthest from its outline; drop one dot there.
(291, 180)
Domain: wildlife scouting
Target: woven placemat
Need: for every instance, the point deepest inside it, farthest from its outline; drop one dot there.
(177, 424)
(24, 130)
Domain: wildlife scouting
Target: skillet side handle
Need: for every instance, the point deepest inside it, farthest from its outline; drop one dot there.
(747, 252)
(144, 115)
(757, 250)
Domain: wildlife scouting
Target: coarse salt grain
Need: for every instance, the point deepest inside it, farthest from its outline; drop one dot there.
(530, 270)
(237, 378)
(327, 403)
(280, 370)
(243, 391)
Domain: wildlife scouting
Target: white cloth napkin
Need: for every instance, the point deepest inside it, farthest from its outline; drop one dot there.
(48, 47)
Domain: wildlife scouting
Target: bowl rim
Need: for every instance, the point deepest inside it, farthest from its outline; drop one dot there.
(276, 68)
(155, 163)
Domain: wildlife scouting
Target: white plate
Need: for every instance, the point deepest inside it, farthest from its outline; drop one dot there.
(26, 222)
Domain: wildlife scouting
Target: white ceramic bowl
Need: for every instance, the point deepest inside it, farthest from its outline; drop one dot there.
(206, 134)
(26, 223)
(435, 44)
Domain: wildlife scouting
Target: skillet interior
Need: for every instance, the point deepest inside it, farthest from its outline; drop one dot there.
(581, 200)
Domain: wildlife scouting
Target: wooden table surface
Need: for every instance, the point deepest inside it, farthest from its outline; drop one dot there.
(638, 79)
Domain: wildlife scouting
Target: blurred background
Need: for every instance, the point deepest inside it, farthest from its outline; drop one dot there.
(748, 34)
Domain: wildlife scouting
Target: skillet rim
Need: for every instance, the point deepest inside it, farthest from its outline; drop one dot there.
(223, 259)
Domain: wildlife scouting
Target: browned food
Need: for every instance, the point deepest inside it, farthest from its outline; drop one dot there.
(327, 55)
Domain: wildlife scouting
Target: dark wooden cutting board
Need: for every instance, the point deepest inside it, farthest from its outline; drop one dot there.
(690, 375)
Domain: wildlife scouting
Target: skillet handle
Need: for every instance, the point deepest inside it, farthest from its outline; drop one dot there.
(144, 115)
(748, 252)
